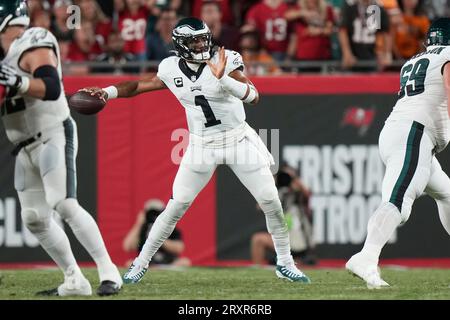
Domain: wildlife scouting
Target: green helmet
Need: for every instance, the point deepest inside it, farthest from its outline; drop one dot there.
(439, 33)
(184, 35)
(13, 13)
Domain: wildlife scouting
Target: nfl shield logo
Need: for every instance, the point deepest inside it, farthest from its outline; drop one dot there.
(193, 78)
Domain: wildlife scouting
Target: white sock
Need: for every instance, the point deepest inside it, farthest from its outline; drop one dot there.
(87, 232)
(277, 227)
(380, 228)
(161, 230)
(55, 242)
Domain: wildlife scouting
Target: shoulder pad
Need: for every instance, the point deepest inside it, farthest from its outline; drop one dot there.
(166, 65)
(234, 61)
(36, 38)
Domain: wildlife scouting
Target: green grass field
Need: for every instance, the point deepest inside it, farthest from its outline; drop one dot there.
(242, 283)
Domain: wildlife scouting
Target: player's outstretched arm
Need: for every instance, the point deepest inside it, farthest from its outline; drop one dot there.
(127, 89)
(446, 75)
(236, 82)
(45, 83)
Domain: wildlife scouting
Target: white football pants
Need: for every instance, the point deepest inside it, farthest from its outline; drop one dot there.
(411, 169)
(250, 160)
(45, 179)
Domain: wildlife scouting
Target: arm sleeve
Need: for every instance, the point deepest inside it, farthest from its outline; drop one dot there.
(49, 75)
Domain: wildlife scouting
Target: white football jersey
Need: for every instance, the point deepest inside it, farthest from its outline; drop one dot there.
(209, 108)
(422, 95)
(25, 116)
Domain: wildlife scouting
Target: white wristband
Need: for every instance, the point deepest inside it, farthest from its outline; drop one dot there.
(112, 92)
(251, 95)
(25, 85)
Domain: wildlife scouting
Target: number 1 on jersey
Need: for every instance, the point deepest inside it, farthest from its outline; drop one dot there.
(207, 111)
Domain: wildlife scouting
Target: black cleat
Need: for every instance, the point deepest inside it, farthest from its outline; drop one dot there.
(108, 288)
(48, 293)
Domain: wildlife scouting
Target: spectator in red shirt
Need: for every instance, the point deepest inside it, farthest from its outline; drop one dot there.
(91, 12)
(132, 26)
(222, 34)
(313, 25)
(85, 46)
(225, 9)
(268, 17)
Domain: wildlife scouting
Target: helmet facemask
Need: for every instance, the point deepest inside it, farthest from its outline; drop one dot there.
(199, 47)
(192, 40)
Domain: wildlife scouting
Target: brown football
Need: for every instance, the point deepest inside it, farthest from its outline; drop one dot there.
(84, 103)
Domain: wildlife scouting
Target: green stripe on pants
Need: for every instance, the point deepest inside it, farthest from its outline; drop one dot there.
(71, 179)
(409, 165)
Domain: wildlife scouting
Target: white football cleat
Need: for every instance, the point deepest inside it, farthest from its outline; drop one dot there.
(135, 272)
(367, 270)
(75, 284)
(292, 273)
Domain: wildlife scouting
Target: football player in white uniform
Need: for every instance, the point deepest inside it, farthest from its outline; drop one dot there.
(211, 87)
(417, 129)
(37, 120)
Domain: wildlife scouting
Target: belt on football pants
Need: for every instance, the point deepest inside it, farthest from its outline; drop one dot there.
(25, 143)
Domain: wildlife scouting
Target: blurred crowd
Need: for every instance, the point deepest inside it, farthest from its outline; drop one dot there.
(269, 34)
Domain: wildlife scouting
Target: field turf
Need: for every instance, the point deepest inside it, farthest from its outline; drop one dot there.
(241, 284)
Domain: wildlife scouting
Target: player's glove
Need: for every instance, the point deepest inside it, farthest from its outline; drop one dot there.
(10, 78)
